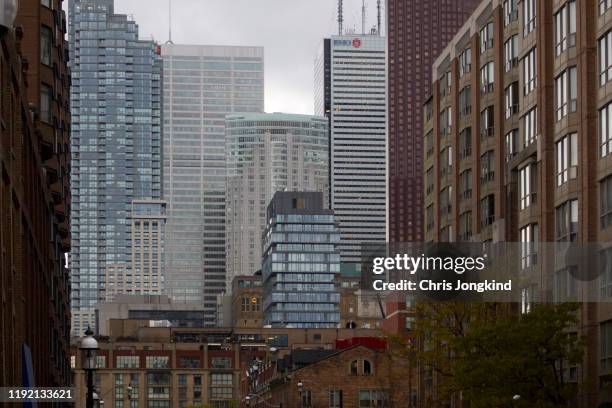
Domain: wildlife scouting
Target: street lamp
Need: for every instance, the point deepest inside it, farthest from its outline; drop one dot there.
(89, 346)
(8, 12)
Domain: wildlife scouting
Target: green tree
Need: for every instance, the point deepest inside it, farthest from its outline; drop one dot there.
(487, 354)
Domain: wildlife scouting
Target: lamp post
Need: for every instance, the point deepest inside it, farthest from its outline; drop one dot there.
(89, 346)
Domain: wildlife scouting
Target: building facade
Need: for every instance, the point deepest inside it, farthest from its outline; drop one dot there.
(167, 367)
(418, 30)
(116, 147)
(351, 91)
(266, 153)
(300, 261)
(202, 84)
(247, 301)
(517, 142)
(34, 199)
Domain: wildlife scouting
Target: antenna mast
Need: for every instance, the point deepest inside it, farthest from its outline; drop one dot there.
(169, 22)
(340, 17)
(363, 17)
(379, 18)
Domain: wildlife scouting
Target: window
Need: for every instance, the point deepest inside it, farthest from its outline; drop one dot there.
(221, 362)
(446, 122)
(367, 367)
(46, 45)
(512, 143)
(604, 50)
(221, 379)
(465, 62)
(566, 216)
(445, 84)
(465, 143)
(529, 236)
(221, 392)
(605, 130)
(486, 37)
(158, 361)
(511, 53)
(529, 72)
(604, 5)
(487, 76)
(306, 398)
(465, 226)
(512, 99)
(373, 398)
(487, 166)
(510, 11)
(354, 367)
(128, 362)
(605, 264)
(530, 127)
(46, 3)
(335, 398)
(429, 144)
(528, 185)
(189, 362)
(446, 161)
(465, 184)
(409, 322)
(487, 210)
(566, 89)
(487, 122)
(429, 215)
(529, 16)
(465, 101)
(566, 151)
(605, 334)
(429, 180)
(445, 200)
(605, 200)
(565, 27)
(46, 99)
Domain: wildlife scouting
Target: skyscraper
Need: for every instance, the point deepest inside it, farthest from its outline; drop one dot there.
(267, 153)
(351, 84)
(418, 30)
(300, 262)
(202, 84)
(116, 148)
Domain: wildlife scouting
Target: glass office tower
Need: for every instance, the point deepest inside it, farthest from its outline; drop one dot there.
(300, 261)
(115, 144)
(202, 84)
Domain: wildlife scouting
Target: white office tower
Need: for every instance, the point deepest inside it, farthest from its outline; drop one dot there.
(202, 84)
(351, 89)
(267, 153)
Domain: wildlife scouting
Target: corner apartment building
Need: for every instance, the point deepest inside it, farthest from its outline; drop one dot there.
(517, 140)
(266, 153)
(34, 198)
(202, 84)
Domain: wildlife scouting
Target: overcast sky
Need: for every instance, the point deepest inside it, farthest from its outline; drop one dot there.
(291, 31)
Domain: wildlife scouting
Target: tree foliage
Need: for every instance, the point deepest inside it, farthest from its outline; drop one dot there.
(487, 354)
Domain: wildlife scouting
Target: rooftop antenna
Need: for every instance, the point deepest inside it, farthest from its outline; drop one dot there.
(169, 22)
(363, 17)
(379, 6)
(340, 17)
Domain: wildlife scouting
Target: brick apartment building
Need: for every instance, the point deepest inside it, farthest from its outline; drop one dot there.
(418, 30)
(141, 365)
(517, 141)
(358, 374)
(34, 198)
